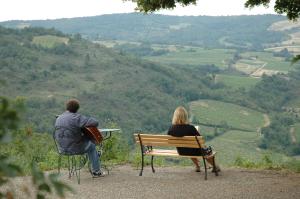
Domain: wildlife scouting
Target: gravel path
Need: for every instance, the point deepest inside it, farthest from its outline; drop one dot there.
(183, 182)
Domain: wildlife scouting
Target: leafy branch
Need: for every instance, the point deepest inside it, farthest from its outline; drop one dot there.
(43, 184)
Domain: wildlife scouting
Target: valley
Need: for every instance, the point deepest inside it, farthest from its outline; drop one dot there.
(237, 80)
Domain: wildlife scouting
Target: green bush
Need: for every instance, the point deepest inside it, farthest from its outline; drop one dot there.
(267, 163)
(12, 152)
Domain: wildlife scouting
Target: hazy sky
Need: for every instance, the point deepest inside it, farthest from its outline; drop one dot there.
(52, 9)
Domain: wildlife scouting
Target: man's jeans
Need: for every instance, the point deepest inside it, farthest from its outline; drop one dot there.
(93, 155)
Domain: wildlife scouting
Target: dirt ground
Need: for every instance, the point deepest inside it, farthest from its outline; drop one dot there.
(182, 182)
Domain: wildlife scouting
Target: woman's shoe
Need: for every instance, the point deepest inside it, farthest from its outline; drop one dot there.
(217, 169)
(197, 169)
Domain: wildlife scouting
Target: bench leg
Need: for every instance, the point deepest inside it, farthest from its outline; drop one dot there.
(153, 170)
(73, 166)
(77, 170)
(215, 167)
(141, 172)
(69, 167)
(59, 163)
(205, 168)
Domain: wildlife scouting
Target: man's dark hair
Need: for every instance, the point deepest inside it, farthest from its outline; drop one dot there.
(72, 105)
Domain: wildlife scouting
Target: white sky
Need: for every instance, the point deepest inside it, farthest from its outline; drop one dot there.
(52, 9)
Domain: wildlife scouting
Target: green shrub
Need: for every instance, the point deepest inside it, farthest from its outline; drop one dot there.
(267, 163)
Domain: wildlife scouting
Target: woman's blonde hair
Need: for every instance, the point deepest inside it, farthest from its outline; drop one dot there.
(180, 116)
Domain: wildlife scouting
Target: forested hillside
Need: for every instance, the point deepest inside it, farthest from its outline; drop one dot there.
(230, 31)
(130, 71)
(137, 85)
(46, 67)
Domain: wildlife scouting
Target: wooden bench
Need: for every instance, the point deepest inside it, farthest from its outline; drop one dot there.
(147, 143)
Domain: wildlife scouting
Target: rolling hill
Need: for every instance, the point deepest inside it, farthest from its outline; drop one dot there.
(46, 67)
(211, 112)
(154, 64)
(206, 31)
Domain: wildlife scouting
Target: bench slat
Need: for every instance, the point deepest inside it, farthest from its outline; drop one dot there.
(159, 140)
(193, 142)
(173, 141)
(172, 153)
(169, 141)
(144, 136)
(170, 144)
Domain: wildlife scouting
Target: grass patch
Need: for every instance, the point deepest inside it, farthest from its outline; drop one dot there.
(195, 56)
(297, 132)
(273, 63)
(206, 131)
(267, 163)
(293, 165)
(238, 81)
(49, 41)
(216, 112)
(235, 146)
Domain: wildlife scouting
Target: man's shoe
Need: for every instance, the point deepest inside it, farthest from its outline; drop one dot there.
(97, 174)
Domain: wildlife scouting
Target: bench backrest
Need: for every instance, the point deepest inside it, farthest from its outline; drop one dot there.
(167, 140)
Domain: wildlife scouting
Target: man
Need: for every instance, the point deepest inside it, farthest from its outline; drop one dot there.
(70, 138)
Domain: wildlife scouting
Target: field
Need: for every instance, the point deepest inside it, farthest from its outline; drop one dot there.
(293, 42)
(195, 56)
(216, 112)
(272, 63)
(297, 132)
(206, 131)
(237, 81)
(182, 54)
(113, 43)
(49, 41)
(284, 25)
(234, 144)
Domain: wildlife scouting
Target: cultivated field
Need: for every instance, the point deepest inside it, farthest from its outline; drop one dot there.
(297, 132)
(216, 112)
(182, 54)
(49, 41)
(235, 144)
(195, 56)
(272, 63)
(258, 63)
(237, 81)
(293, 42)
(251, 63)
(113, 43)
(206, 131)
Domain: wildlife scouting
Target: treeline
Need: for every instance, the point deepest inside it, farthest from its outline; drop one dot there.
(271, 95)
(112, 86)
(277, 136)
(143, 49)
(115, 87)
(284, 53)
(249, 32)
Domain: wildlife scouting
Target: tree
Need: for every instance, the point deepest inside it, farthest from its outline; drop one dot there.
(153, 5)
(289, 7)
(42, 184)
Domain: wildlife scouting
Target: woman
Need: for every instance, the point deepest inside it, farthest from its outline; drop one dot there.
(181, 127)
